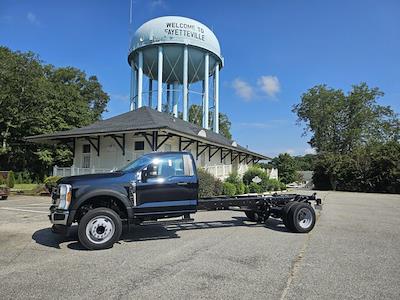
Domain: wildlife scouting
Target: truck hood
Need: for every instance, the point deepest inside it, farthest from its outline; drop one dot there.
(89, 177)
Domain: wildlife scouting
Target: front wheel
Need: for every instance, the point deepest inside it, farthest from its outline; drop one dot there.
(99, 228)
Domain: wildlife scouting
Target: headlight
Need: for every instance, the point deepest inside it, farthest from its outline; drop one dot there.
(65, 196)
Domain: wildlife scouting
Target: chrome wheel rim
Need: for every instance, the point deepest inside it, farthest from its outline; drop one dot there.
(304, 218)
(100, 229)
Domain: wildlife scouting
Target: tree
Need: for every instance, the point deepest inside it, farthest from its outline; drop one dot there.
(340, 123)
(286, 166)
(305, 163)
(196, 117)
(357, 140)
(36, 98)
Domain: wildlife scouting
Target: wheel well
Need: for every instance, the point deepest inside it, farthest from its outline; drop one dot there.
(102, 201)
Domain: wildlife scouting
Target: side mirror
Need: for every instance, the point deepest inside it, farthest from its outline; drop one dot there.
(151, 171)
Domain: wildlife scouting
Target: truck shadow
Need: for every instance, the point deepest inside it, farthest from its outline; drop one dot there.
(148, 232)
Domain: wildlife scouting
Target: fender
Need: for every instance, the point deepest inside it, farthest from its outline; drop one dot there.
(123, 197)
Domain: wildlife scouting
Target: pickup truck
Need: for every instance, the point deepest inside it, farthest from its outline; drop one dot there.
(156, 186)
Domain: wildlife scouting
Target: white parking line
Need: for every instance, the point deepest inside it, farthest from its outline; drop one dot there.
(24, 210)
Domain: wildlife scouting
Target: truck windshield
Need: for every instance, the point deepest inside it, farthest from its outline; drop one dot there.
(137, 164)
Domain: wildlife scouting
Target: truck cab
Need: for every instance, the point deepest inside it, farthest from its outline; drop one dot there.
(155, 186)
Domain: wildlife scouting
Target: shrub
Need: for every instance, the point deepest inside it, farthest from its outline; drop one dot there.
(209, 186)
(218, 187)
(273, 185)
(10, 179)
(255, 188)
(229, 189)
(253, 172)
(235, 179)
(19, 179)
(282, 186)
(23, 177)
(240, 188)
(246, 189)
(51, 182)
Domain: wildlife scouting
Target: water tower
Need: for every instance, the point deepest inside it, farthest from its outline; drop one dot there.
(178, 53)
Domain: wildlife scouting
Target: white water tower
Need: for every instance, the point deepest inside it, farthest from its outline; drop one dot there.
(177, 52)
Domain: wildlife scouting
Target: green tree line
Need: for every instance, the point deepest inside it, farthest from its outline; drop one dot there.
(38, 98)
(356, 139)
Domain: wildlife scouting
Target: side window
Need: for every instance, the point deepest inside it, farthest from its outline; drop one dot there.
(171, 165)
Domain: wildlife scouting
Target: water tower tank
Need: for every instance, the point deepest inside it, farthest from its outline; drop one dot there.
(177, 52)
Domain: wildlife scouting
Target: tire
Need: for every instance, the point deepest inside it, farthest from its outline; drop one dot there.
(4, 197)
(99, 228)
(285, 213)
(301, 218)
(251, 215)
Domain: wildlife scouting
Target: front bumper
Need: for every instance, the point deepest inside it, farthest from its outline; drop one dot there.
(58, 216)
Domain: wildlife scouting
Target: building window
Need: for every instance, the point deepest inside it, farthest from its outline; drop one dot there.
(86, 156)
(139, 146)
(86, 148)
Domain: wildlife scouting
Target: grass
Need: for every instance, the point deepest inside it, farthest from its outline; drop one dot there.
(24, 186)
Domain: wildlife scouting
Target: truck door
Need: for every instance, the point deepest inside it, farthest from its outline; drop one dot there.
(168, 186)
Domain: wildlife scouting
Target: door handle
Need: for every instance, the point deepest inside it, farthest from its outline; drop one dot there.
(182, 183)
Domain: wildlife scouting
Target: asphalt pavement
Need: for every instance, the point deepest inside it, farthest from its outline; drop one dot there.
(352, 253)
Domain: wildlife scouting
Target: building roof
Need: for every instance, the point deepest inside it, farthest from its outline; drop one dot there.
(145, 119)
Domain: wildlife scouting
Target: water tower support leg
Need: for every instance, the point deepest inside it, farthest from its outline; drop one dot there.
(140, 81)
(206, 93)
(133, 88)
(185, 83)
(159, 79)
(150, 92)
(175, 95)
(216, 99)
(168, 98)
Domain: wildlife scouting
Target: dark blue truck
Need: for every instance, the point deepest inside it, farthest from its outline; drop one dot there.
(156, 186)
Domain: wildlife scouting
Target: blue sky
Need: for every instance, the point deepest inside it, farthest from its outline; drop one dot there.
(274, 51)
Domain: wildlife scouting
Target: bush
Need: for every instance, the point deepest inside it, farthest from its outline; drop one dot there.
(23, 177)
(246, 189)
(229, 189)
(240, 188)
(209, 186)
(253, 172)
(10, 179)
(218, 187)
(255, 188)
(282, 186)
(51, 182)
(274, 185)
(235, 179)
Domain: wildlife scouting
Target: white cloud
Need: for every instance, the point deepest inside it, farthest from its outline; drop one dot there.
(32, 18)
(269, 85)
(243, 89)
(309, 151)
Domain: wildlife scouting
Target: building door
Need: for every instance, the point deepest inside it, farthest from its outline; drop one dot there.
(170, 188)
(86, 156)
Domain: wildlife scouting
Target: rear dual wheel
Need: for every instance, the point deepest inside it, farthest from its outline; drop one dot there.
(299, 217)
